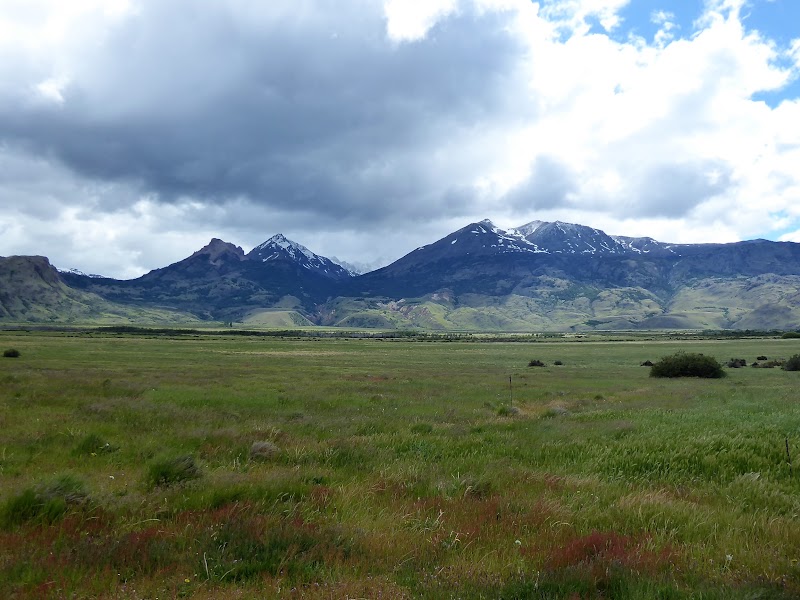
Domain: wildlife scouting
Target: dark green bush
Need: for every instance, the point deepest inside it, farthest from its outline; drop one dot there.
(685, 364)
(736, 363)
(169, 471)
(793, 364)
(11, 353)
(536, 363)
(791, 335)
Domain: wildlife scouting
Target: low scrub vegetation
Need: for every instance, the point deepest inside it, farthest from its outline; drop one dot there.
(793, 364)
(11, 353)
(683, 364)
(769, 364)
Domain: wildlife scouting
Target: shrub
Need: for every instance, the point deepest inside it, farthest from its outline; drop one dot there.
(791, 335)
(647, 363)
(170, 471)
(685, 364)
(761, 358)
(536, 363)
(770, 364)
(736, 363)
(793, 364)
(11, 353)
(558, 363)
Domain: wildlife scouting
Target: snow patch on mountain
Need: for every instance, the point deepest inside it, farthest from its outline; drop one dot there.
(356, 268)
(81, 273)
(527, 229)
(294, 249)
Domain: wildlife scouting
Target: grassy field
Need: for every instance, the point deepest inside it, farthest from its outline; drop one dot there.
(393, 469)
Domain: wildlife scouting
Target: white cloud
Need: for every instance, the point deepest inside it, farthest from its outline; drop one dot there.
(572, 15)
(619, 113)
(410, 20)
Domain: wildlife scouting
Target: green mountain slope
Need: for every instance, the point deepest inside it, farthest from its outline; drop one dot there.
(762, 302)
(32, 291)
(542, 276)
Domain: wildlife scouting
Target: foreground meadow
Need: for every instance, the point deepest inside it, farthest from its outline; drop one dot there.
(221, 467)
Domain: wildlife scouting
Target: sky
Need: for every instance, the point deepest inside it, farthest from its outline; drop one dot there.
(134, 131)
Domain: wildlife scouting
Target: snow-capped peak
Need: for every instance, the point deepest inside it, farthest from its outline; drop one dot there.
(281, 241)
(279, 247)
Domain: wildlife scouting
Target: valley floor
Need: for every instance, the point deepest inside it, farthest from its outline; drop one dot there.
(143, 466)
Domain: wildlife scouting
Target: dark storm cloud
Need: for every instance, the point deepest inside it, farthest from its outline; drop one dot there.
(674, 189)
(294, 105)
(548, 185)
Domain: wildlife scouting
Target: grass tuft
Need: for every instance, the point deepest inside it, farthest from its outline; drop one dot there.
(264, 450)
(45, 504)
(92, 445)
(170, 471)
(507, 411)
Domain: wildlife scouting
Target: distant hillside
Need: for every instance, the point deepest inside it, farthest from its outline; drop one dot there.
(221, 282)
(570, 277)
(539, 276)
(32, 290)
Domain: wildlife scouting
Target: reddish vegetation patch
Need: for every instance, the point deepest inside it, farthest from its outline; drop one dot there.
(598, 552)
(554, 482)
(321, 496)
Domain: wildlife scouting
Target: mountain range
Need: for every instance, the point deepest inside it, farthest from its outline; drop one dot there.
(540, 276)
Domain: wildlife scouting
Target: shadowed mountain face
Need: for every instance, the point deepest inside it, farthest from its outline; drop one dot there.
(564, 276)
(556, 276)
(481, 258)
(278, 248)
(220, 281)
